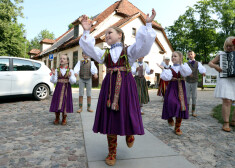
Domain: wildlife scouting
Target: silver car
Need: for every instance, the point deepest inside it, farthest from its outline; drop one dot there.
(20, 76)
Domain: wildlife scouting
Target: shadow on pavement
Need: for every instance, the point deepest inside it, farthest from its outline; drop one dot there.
(18, 98)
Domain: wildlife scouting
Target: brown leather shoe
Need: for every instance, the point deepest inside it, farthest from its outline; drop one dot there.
(57, 118)
(64, 121)
(79, 110)
(226, 129)
(178, 131)
(171, 122)
(89, 110)
(110, 160)
(130, 139)
(194, 115)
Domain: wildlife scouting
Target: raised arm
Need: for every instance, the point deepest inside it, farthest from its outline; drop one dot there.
(87, 42)
(145, 38)
(54, 76)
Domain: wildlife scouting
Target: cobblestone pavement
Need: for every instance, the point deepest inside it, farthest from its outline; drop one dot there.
(203, 142)
(28, 137)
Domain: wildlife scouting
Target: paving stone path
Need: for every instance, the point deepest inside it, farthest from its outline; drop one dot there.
(28, 137)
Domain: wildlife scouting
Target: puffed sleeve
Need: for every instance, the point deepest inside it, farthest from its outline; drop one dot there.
(133, 69)
(147, 69)
(145, 38)
(93, 68)
(72, 78)
(77, 68)
(54, 77)
(201, 68)
(185, 70)
(87, 43)
(166, 75)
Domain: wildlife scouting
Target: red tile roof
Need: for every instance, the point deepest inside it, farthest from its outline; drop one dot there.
(125, 21)
(47, 41)
(34, 51)
(124, 8)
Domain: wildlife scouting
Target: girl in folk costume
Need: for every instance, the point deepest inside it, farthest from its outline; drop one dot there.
(175, 100)
(118, 109)
(225, 87)
(138, 69)
(163, 84)
(62, 101)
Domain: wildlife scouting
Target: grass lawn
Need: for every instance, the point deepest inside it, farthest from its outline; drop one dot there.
(217, 113)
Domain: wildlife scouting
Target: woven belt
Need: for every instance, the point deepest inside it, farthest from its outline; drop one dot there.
(115, 105)
(181, 92)
(63, 80)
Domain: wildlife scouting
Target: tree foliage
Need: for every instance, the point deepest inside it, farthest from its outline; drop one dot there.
(35, 42)
(12, 40)
(203, 28)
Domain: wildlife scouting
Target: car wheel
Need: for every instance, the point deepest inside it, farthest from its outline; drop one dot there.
(41, 92)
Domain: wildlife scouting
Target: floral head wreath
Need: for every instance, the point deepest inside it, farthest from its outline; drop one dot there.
(233, 41)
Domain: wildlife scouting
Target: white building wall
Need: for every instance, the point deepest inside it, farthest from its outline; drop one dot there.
(154, 56)
(109, 21)
(45, 46)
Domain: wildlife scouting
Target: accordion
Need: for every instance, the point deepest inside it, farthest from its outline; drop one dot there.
(227, 64)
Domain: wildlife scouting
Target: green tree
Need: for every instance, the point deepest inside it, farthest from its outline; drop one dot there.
(35, 42)
(12, 41)
(70, 26)
(195, 30)
(225, 11)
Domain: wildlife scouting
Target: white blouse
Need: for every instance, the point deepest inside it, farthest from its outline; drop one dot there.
(93, 68)
(145, 38)
(184, 69)
(147, 69)
(72, 78)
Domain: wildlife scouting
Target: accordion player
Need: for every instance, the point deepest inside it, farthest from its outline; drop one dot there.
(227, 64)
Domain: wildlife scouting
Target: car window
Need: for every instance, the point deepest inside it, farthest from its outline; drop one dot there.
(22, 65)
(4, 64)
(37, 65)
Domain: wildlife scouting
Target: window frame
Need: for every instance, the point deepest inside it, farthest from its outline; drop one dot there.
(9, 67)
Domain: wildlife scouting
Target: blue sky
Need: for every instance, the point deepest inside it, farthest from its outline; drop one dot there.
(56, 15)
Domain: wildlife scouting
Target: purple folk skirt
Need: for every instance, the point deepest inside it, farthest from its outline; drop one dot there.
(66, 98)
(127, 120)
(171, 106)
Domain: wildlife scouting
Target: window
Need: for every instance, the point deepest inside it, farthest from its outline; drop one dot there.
(55, 63)
(37, 65)
(76, 31)
(45, 61)
(133, 31)
(75, 58)
(22, 65)
(4, 64)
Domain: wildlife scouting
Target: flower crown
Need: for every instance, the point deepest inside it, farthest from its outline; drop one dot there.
(233, 41)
